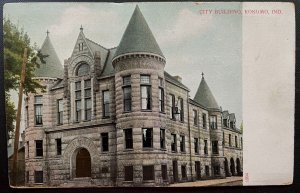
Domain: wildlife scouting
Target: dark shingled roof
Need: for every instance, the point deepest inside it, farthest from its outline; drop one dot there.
(205, 97)
(232, 117)
(138, 37)
(52, 68)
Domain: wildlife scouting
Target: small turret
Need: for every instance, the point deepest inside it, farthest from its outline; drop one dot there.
(52, 68)
(205, 97)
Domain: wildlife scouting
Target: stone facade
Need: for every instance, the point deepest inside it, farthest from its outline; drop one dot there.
(165, 144)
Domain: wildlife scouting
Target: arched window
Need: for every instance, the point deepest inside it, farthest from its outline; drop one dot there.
(83, 69)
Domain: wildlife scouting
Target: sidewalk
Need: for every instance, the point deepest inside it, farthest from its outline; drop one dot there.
(216, 182)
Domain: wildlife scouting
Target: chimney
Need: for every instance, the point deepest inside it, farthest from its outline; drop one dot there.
(178, 78)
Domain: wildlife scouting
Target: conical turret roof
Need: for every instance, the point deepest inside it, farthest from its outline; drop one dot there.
(52, 67)
(205, 97)
(138, 37)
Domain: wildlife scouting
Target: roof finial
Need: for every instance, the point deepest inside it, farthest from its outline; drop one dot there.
(202, 75)
(81, 28)
(47, 33)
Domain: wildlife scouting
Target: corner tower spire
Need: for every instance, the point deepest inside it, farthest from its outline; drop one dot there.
(205, 97)
(52, 67)
(138, 38)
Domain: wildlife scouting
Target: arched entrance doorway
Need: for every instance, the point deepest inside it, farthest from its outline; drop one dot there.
(238, 167)
(83, 163)
(232, 167)
(226, 168)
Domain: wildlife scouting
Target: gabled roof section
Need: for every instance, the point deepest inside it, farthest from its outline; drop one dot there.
(232, 117)
(52, 67)
(138, 37)
(225, 114)
(173, 80)
(205, 97)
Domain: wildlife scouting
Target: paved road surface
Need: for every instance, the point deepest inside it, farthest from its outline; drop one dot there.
(229, 181)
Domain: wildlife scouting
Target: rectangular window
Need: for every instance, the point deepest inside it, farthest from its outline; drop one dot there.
(174, 143)
(77, 85)
(182, 143)
(148, 172)
(215, 147)
(27, 116)
(213, 122)
(204, 121)
(181, 110)
(205, 147)
(58, 146)
(38, 177)
(39, 148)
(183, 172)
(128, 173)
(241, 142)
(225, 123)
(172, 106)
(164, 172)
(106, 97)
(236, 142)
(88, 109)
(231, 125)
(195, 115)
(207, 171)
(38, 110)
(87, 100)
(145, 92)
(127, 93)
(78, 110)
(162, 139)
(60, 111)
(196, 144)
(147, 137)
(27, 149)
(104, 138)
(161, 100)
(128, 139)
(161, 96)
(217, 170)
(230, 144)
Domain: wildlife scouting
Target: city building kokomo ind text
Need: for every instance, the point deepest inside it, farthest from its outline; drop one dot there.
(114, 117)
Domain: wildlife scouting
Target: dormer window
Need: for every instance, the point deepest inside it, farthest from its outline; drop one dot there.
(83, 69)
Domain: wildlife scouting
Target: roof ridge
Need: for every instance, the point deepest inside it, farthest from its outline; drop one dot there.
(97, 43)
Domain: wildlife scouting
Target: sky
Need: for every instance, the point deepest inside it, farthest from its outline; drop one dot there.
(191, 42)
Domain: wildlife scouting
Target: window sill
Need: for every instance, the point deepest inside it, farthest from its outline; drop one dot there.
(183, 152)
(105, 117)
(129, 149)
(163, 149)
(174, 151)
(38, 125)
(38, 157)
(148, 181)
(38, 183)
(124, 112)
(147, 148)
(86, 120)
(59, 124)
(105, 152)
(215, 154)
(146, 110)
(127, 181)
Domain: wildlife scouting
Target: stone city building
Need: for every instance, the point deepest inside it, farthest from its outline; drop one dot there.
(114, 117)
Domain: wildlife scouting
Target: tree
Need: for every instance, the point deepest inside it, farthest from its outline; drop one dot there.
(15, 41)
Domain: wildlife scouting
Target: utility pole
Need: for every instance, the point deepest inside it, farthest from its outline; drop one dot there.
(18, 119)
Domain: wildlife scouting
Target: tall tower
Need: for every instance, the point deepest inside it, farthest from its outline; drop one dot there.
(139, 77)
(38, 107)
(205, 97)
